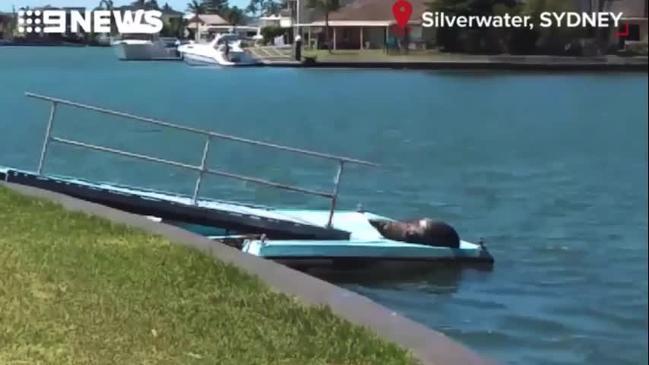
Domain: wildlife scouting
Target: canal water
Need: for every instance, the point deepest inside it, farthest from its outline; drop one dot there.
(550, 168)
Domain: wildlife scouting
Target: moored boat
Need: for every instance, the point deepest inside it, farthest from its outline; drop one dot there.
(157, 49)
(226, 49)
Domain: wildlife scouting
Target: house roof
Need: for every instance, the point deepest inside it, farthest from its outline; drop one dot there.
(375, 10)
(209, 19)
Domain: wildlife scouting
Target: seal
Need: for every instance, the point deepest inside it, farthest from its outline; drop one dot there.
(424, 231)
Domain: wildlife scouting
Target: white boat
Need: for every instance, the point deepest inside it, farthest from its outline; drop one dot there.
(158, 49)
(224, 50)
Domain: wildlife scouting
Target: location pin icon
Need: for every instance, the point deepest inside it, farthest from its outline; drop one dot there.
(402, 10)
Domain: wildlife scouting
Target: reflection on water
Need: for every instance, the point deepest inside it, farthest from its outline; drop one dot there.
(550, 168)
(433, 277)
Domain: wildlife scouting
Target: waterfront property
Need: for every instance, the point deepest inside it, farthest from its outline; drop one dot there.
(563, 210)
(202, 26)
(367, 24)
(633, 32)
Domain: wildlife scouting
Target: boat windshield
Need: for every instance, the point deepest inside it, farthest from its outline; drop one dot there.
(227, 38)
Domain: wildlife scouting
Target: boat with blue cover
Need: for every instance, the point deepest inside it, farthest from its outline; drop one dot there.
(303, 239)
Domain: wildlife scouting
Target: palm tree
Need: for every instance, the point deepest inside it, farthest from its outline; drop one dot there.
(215, 6)
(253, 7)
(139, 4)
(234, 16)
(106, 4)
(263, 7)
(197, 8)
(271, 7)
(153, 5)
(109, 5)
(325, 6)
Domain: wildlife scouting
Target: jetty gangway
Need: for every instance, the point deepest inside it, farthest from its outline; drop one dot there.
(202, 168)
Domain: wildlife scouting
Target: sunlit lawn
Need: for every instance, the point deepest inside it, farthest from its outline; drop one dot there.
(76, 289)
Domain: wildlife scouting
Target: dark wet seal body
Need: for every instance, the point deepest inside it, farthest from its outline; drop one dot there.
(424, 231)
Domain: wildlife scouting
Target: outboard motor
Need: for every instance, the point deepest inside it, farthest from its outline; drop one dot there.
(423, 231)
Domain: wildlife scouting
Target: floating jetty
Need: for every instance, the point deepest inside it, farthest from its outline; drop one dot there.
(303, 239)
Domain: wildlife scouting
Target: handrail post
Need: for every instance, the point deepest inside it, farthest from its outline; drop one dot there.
(48, 134)
(199, 180)
(334, 195)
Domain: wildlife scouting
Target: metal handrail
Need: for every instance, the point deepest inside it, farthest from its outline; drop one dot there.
(202, 168)
(202, 131)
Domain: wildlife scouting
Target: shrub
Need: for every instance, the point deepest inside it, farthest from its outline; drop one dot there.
(269, 33)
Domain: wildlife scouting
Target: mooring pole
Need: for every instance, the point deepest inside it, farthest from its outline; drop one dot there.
(199, 180)
(334, 195)
(48, 134)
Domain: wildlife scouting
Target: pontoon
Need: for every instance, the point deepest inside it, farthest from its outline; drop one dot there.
(303, 239)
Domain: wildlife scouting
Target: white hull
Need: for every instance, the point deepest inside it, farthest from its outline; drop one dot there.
(198, 60)
(213, 54)
(143, 51)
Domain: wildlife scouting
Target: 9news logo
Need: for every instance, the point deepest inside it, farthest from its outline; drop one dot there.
(98, 21)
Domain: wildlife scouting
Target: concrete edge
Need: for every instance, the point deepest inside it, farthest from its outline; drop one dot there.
(426, 345)
(476, 65)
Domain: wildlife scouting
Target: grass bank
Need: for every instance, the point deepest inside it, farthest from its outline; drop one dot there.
(76, 289)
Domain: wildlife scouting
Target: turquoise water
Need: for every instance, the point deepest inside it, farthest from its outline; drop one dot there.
(551, 169)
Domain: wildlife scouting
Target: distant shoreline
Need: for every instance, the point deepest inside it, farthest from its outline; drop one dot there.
(479, 65)
(438, 62)
(481, 62)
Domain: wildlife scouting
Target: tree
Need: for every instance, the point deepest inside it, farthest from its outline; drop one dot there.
(106, 4)
(152, 5)
(253, 7)
(602, 34)
(197, 8)
(234, 16)
(554, 40)
(139, 4)
(263, 7)
(109, 5)
(215, 6)
(472, 40)
(271, 7)
(326, 7)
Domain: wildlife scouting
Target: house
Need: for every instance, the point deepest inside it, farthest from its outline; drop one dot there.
(282, 19)
(368, 24)
(635, 18)
(634, 14)
(201, 26)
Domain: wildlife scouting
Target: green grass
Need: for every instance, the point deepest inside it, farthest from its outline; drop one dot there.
(76, 289)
